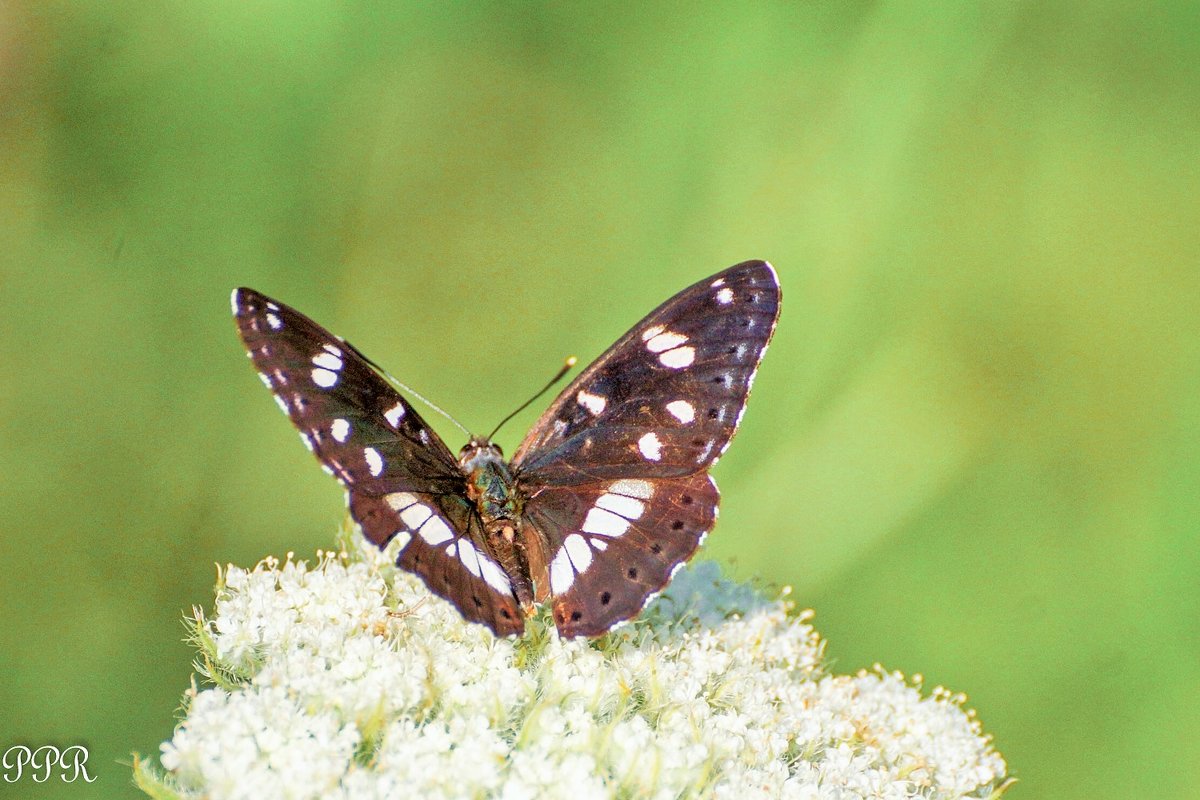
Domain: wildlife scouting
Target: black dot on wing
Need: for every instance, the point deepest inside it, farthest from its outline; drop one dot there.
(478, 602)
(576, 616)
(713, 413)
(605, 598)
(686, 499)
(633, 573)
(504, 613)
(656, 548)
(677, 525)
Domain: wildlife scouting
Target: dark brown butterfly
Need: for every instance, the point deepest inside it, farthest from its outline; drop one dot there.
(607, 496)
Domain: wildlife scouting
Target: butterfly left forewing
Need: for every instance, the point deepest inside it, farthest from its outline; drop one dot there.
(401, 481)
(360, 428)
(615, 471)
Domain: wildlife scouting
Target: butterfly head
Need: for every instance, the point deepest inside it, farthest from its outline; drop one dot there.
(477, 453)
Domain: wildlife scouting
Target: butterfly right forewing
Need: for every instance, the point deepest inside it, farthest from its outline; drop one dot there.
(616, 469)
(666, 398)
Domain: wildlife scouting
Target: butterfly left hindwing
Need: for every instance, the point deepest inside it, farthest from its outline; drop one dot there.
(443, 546)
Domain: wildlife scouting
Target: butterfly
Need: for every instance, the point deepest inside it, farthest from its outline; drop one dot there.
(607, 496)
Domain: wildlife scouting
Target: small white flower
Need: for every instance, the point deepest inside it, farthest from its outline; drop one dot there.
(346, 679)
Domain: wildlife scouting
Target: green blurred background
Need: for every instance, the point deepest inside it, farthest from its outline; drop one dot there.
(972, 448)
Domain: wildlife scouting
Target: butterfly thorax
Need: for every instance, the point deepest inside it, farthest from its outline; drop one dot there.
(490, 484)
(491, 487)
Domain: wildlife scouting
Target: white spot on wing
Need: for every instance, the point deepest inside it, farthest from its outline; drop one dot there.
(340, 429)
(604, 523)
(650, 446)
(415, 515)
(725, 296)
(394, 414)
(374, 460)
(436, 531)
(233, 301)
(400, 501)
(627, 507)
(307, 441)
(650, 333)
(678, 358)
(493, 575)
(717, 283)
(324, 378)
(266, 381)
(562, 575)
(578, 551)
(592, 402)
(665, 341)
(333, 350)
(327, 360)
(280, 402)
(402, 538)
(682, 410)
(468, 556)
(274, 321)
(632, 487)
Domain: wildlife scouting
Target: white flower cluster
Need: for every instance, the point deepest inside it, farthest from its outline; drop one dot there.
(348, 680)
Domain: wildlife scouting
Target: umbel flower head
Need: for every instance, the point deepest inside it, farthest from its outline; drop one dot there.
(347, 679)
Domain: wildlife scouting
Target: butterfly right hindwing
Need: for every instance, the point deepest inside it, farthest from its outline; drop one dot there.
(617, 542)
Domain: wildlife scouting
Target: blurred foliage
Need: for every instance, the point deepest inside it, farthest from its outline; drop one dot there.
(972, 449)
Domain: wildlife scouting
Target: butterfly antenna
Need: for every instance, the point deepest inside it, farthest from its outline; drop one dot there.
(566, 367)
(407, 388)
